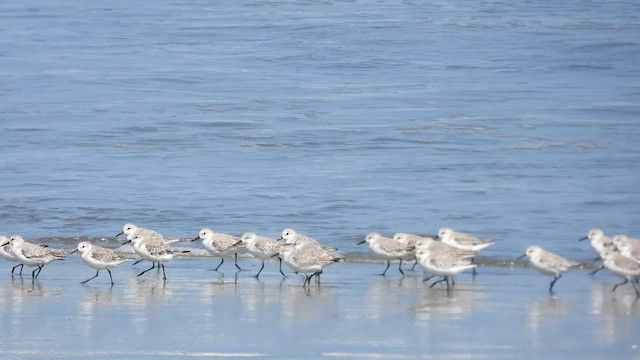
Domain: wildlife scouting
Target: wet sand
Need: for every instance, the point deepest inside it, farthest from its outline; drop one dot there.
(503, 313)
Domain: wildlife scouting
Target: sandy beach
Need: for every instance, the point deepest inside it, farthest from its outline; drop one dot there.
(354, 313)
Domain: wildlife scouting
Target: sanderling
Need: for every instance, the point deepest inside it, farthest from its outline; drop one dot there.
(462, 240)
(308, 258)
(99, 258)
(409, 239)
(623, 267)
(154, 250)
(290, 236)
(549, 263)
(131, 230)
(263, 248)
(5, 253)
(440, 259)
(627, 247)
(220, 245)
(310, 245)
(33, 255)
(599, 241)
(389, 249)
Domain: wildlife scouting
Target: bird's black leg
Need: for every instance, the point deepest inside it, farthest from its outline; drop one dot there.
(153, 265)
(110, 277)
(596, 270)
(280, 260)
(36, 272)
(236, 260)
(164, 276)
(218, 267)
(385, 269)
(13, 268)
(555, 278)
(259, 271)
(444, 278)
(622, 283)
(91, 278)
(400, 267)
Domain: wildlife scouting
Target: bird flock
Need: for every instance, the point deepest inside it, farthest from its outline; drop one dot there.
(444, 255)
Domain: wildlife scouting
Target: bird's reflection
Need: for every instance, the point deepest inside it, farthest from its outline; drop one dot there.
(440, 302)
(301, 304)
(616, 311)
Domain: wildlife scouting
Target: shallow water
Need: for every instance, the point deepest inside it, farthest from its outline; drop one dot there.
(501, 313)
(516, 121)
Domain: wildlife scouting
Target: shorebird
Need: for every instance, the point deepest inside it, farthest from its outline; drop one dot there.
(132, 230)
(263, 248)
(220, 245)
(308, 259)
(310, 245)
(623, 267)
(463, 241)
(290, 236)
(33, 255)
(5, 253)
(627, 247)
(439, 259)
(549, 263)
(409, 239)
(154, 250)
(99, 258)
(599, 241)
(389, 249)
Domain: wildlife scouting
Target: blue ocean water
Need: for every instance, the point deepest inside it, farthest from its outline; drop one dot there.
(513, 120)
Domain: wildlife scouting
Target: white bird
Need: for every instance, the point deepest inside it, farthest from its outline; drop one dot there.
(154, 250)
(627, 247)
(623, 267)
(599, 241)
(462, 240)
(440, 259)
(99, 258)
(5, 253)
(389, 249)
(409, 239)
(308, 259)
(290, 236)
(310, 245)
(263, 248)
(220, 245)
(33, 255)
(132, 230)
(549, 263)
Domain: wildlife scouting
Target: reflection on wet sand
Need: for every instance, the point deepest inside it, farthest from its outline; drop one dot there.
(259, 297)
(438, 302)
(93, 299)
(401, 312)
(385, 294)
(300, 304)
(615, 310)
(543, 313)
